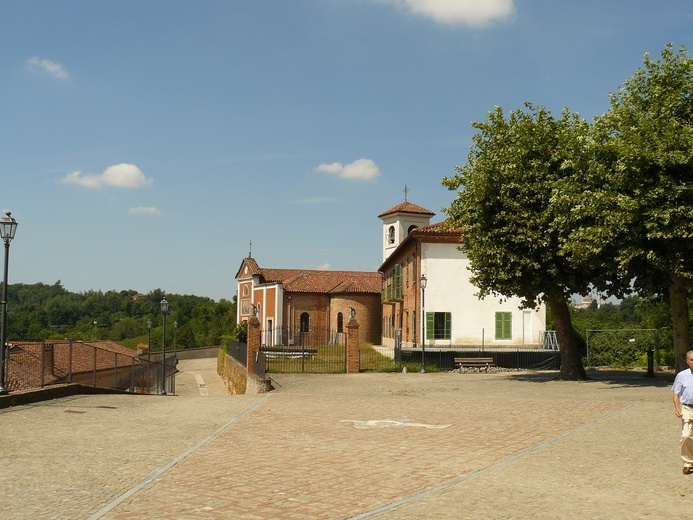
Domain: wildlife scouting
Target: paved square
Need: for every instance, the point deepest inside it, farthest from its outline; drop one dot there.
(383, 446)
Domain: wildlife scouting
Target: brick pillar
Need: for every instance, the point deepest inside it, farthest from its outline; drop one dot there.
(254, 338)
(352, 353)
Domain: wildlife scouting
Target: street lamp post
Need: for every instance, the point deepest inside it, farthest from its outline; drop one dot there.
(149, 353)
(423, 322)
(8, 227)
(164, 310)
(175, 356)
(175, 334)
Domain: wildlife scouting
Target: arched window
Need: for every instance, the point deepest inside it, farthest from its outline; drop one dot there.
(391, 235)
(340, 322)
(305, 322)
(411, 228)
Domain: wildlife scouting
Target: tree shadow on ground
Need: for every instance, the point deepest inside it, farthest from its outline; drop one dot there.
(621, 378)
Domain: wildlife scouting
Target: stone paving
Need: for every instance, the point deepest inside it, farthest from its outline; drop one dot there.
(382, 446)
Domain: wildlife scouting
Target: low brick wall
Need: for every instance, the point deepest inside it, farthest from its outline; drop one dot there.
(49, 393)
(237, 379)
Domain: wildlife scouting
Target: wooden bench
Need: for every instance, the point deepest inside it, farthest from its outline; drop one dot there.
(288, 352)
(474, 362)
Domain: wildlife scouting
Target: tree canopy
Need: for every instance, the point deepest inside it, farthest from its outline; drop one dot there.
(40, 311)
(510, 224)
(639, 201)
(553, 206)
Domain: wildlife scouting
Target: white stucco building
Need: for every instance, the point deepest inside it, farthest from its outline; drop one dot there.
(454, 316)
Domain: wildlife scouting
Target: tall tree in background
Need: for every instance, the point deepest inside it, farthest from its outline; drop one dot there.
(512, 229)
(639, 194)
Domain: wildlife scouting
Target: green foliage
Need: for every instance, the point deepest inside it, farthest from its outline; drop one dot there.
(506, 205)
(241, 334)
(39, 311)
(620, 334)
(620, 348)
(511, 211)
(638, 199)
(551, 206)
(638, 205)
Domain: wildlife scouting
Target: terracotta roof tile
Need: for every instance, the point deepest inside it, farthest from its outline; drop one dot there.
(306, 280)
(443, 227)
(252, 265)
(407, 207)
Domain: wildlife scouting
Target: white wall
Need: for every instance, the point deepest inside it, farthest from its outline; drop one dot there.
(473, 321)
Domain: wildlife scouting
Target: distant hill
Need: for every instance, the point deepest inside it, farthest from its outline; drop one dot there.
(41, 311)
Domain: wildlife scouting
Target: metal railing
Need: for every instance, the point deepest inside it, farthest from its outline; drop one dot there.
(315, 350)
(390, 359)
(31, 365)
(468, 337)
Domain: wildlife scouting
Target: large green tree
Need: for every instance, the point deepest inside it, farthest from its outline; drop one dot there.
(511, 216)
(639, 193)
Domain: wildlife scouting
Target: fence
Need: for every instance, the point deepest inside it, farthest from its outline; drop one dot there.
(297, 337)
(316, 351)
(325, 352)
(330, 359)
(238, 351)
(388, 359)
(468, 337)
(31, 365)
(625, 348)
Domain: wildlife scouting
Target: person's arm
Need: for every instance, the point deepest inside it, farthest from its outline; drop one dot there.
(677, 405)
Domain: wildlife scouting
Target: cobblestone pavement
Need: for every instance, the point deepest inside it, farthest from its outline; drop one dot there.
(382, 446)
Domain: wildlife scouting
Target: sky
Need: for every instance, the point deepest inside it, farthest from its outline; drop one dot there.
(147, 144)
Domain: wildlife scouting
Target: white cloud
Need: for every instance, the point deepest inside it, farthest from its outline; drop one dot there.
(363, 169)
(475, 13)
(47, 66)
(324, 267)
(118, 176)
(145, 210)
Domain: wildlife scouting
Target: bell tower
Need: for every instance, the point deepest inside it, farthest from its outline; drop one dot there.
(399, 221)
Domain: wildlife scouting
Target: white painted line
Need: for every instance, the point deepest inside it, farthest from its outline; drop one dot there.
(122, 498)
(201, 385)
(489, 468)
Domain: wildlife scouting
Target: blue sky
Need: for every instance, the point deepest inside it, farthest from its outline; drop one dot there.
(144, 144)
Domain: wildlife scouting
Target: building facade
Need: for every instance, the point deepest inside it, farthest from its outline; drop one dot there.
(292, 304)
(427, 295)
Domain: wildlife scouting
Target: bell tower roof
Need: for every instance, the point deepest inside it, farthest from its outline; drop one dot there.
(399, 221)
(407, 207)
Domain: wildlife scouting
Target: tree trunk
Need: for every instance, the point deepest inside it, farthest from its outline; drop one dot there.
(678, 298)
(571, 362)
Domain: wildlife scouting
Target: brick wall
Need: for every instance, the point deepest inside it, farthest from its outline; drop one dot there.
(316, 305)
(367, 314)
(323, 311)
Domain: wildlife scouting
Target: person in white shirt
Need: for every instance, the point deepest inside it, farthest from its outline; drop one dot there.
(683, 407)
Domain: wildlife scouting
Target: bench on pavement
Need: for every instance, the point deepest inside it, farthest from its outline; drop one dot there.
(474, 362)
(288, 352)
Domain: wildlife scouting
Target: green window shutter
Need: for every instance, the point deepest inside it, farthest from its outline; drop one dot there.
(397, 281)
(504, 325)
(430, 325)
(448, 320)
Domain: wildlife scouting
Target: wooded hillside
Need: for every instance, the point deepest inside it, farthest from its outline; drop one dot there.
(41, 311)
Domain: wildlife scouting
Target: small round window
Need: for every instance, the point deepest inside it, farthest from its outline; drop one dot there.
(391, 235)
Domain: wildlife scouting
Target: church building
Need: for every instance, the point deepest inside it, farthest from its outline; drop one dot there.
(292, 304)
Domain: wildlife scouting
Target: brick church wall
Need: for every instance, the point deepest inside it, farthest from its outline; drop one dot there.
(367, 308)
